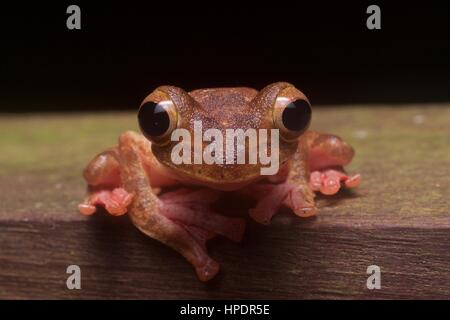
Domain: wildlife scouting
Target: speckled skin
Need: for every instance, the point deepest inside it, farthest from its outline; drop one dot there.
(223, 108)
(128, 178)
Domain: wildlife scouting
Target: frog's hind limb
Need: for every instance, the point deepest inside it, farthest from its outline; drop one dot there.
(327, 156)
(180, 219)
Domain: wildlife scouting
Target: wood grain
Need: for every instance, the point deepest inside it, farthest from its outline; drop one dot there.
(399, 219)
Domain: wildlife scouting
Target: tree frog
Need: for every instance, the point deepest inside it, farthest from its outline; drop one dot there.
(170, 202)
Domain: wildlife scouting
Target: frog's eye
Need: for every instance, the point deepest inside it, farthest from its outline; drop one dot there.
(292, 117)
(157, 120)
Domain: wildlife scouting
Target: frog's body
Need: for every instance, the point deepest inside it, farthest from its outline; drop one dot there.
(129, 177)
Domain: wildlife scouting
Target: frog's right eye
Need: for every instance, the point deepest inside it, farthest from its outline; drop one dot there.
(292, 116)
(157, 120)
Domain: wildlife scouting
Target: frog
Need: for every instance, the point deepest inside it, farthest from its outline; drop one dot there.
(173, 202)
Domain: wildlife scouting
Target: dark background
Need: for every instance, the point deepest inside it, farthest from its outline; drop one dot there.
(124, 50)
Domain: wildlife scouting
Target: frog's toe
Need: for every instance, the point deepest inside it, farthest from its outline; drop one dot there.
(301, 202)
(330, 185)
(206, 268)
(86, 209)
(329, 181)
(115, 202)
(207, 271)
(353, 181)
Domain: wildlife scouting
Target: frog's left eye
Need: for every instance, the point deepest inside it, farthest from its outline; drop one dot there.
(292, 117)
(157, 120)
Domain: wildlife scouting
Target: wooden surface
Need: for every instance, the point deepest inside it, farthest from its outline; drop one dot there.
(399, 219)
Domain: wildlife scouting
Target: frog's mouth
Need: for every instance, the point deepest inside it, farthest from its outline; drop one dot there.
(222, 178)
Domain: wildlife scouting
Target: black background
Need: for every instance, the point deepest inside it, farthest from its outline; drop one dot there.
(126, 49)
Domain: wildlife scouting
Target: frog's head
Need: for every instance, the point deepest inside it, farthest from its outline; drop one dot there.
(169, 117)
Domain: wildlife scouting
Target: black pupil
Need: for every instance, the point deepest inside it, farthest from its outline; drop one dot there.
(296, 115)
(153, 119)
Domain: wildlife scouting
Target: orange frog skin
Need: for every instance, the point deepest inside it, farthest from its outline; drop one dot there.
(132, 176)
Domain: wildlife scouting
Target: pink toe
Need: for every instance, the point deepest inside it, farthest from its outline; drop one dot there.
(315, 180)
(330, 185)
(86, 209)
(208, 270)
(115, 202)
(127, 200)
(297, 203)
(116, 209)
(122, 196)
(353, 181)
